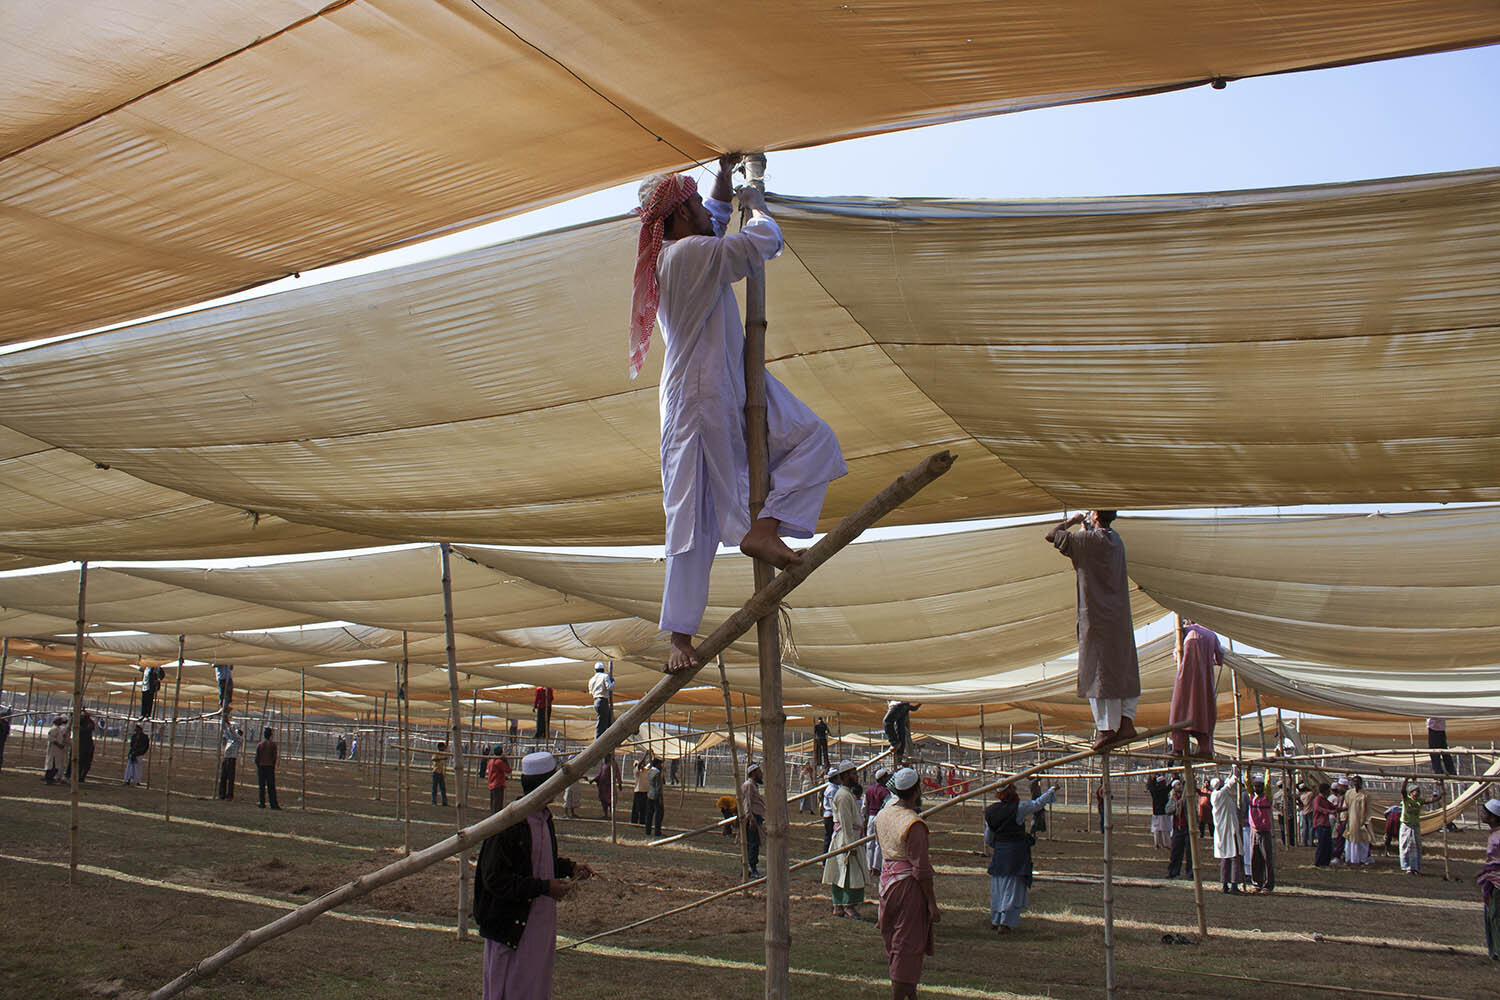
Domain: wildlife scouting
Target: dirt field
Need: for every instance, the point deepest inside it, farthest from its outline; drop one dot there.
(155, 897)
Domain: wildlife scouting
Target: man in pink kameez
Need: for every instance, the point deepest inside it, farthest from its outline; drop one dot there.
(908, 904)
(518, 881)
(1194, 700)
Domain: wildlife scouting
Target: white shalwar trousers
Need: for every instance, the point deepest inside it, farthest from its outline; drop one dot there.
(685, 595)
(1109, 711)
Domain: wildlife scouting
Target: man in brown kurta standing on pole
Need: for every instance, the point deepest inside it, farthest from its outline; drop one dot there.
(1109, 675)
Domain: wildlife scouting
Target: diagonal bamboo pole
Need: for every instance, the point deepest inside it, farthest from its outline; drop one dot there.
(763, 603)
(1039, 768)
(76, 770)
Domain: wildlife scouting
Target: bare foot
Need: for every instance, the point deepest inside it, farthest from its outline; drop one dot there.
(764, 543)
(1106, 737)
(684, 656)
(1127, 731)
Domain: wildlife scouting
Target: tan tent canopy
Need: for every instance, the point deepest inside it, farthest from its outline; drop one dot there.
(1331, 344)
(153, 162)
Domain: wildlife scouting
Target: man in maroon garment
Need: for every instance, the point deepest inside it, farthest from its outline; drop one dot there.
(1194, 700)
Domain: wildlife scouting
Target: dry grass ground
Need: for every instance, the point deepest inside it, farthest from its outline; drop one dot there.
(158, 896)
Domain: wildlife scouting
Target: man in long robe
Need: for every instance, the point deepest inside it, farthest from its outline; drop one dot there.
(847, 874)
(517, 883)
(685, 270)
(1010, 863)
(1227, 848)
(1194, 700)
(1109, 674)
(908, 902)
(1357, 826)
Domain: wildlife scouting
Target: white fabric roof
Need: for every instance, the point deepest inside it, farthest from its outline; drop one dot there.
(150, 161)
(1331, 344)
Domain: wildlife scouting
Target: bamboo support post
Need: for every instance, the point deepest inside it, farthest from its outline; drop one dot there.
(224, 723)
(1040, 767)
(404, 710)
(682, 767)
(456, 722)
(26, 723)
(739, 777)
(1190, 788)
(302, 723)
(1109, 878)
(764, 602)
(77, 726)
(4, 659)
(1443, 789)
(172, 730)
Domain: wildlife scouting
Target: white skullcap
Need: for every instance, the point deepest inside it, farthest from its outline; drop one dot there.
(882, 774)
(847, 765)
(1493, 807)
(599, 667)
(1177, 783)
(905, 780)
(540, 762)
(1215, 783)
(833, 772)
(649, 186)
(754, 765)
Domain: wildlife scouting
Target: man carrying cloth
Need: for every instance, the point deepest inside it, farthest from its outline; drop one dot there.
(684, 273)
(1109, 675)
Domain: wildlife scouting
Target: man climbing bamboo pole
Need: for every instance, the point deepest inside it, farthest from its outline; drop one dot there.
(764, 602)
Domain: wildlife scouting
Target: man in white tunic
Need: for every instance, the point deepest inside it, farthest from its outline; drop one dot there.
(685, 270)
(1223, 800)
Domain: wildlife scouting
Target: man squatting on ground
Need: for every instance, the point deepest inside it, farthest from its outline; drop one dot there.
(1109, 675)
(684, 271)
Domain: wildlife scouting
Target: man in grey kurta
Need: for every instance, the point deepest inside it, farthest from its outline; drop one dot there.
(1109, 675)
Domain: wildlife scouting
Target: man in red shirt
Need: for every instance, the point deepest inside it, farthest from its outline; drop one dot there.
(543, 705)
(497, 774)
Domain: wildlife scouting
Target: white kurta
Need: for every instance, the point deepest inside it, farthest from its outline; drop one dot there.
(705, 475)
(1226, 819)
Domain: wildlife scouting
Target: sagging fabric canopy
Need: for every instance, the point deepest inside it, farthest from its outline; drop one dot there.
(956, 620)
(1331, 344)
(151, 162)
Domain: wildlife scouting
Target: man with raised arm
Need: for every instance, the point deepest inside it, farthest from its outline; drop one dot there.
(685, 270)
(1109, 674)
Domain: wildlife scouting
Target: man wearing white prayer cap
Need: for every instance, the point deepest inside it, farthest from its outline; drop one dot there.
(848, 873)
(908, 903)
(830, 789)
(1489, 878)
(685, 270)
(519, 880)
(753, 809)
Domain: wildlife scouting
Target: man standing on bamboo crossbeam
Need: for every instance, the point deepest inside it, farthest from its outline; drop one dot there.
(1109, 674)
(684, 273)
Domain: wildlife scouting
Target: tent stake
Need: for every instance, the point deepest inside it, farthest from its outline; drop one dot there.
(76, 771)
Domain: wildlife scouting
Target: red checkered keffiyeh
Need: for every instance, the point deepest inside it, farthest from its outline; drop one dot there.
(660, 197)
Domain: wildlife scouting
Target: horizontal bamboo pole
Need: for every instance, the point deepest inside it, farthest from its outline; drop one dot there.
(992, 786)
(763, 603)
(732, 819)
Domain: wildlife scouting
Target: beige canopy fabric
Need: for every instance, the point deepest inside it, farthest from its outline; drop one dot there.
(1409, 591)
(1331, 344)
(151, 162)
(1471, 691)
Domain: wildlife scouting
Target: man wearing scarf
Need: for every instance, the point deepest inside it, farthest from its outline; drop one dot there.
(1010, 865)
(685, 269)
(908, 904)
(519, 880)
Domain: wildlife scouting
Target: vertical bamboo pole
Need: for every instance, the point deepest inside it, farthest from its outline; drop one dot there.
(1260, 724)
(83, 579)
(768, 636)
(385, 707)
(475, 748)
(224, 723)
(1109, 879)
(302, 723)
(982, 773)
(1190, 789)
(456, 721)
(172, 730)
(682, 767)
(404, 710)
(27, 720)
(739, 778)
(1443, 788)
(1292, 826)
